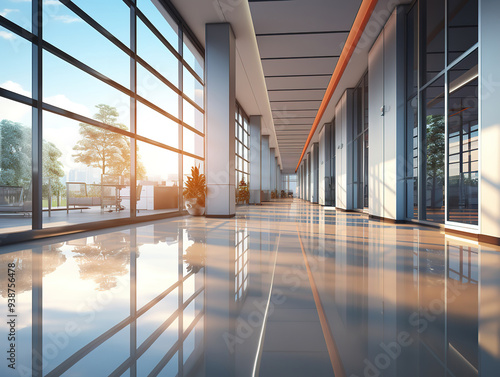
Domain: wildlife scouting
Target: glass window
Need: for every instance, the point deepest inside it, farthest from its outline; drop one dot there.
(69, 88)
(161, 20)
(86, 168)
(86, 172)
(188, 162)
(113, 15)
(193, 88)
(154, 52)
(412, 158)
(463, 163)
(155, 126)
(412, 52)
(193, 58)
(193, 143)
(15, 64)
(433, 12)
(157, 92)
(15, 166)
(193, 116)
(433, 116)
(72, 35)
(19, 12)
(158, 183)
(462, 27)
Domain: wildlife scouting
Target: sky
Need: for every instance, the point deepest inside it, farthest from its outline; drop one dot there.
(67, 87)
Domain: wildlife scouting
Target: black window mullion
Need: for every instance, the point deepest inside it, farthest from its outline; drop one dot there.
(193, 72)
(16, 29)
(158, 75)
(159, 35)
(36, 129)
(133, 122)
(84, 67)
(36, 193)
(89, 20)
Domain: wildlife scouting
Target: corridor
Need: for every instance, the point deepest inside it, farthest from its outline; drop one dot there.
(284, 289)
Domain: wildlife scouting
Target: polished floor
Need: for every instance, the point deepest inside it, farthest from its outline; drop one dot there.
(284, 289)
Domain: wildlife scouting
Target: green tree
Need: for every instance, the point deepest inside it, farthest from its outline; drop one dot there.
(435, 155)
(15, 159)
(15, 154)
(103, 149)
(52, 169)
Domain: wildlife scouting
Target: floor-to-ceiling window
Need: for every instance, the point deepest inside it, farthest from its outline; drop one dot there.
(242, 147)
(360, 144)
(101, 111)
(289, 184)
(442, 111)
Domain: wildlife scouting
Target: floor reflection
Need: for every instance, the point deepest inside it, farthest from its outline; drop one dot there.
(206, 297)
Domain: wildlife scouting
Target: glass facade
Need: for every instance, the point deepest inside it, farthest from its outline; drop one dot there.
(442, 112)
(289, 185)
(101, 112)
(242, 147)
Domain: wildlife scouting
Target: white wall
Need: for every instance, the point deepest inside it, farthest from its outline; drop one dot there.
(314, 172)
(489, 122)
(386, 121)
(343, 119)
(322, 163)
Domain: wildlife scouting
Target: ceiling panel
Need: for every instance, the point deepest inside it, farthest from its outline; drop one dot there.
(294, 105)
(300, 66)
(298, 82)
(286, 95)
(292, 121)
(303, 15)
(278, 114)
(297, 45)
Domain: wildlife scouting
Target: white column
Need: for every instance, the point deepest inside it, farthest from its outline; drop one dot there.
(255, 158)
(489, 120)
(314, 172)
(324, 175)
(265, 164)
(272, 169)
(220, 70)
(387, 134)
(308, 177)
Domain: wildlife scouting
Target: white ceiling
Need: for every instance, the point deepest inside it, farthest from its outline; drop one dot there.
(251, 90)
(287, 51)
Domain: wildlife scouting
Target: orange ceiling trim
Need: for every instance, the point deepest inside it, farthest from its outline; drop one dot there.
(358, 27)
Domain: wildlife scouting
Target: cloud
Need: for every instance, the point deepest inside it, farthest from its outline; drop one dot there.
(51, 2)
(5, 12)
(15, 111)
(6, 35)
(66, 19)
(15, 87)
(60, 100)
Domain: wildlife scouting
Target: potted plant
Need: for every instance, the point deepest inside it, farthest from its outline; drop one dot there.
(194, 192)
(243, 193)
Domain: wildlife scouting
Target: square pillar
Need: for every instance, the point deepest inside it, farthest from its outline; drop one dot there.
(220, 86)
(272, 169)
(308, 177)
(303, 180)
(265, 164)
(314, 172)
(255, 158)
(324, 175)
